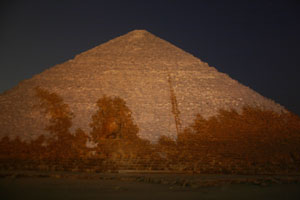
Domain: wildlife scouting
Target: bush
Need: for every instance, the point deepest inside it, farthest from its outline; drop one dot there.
(233, 141)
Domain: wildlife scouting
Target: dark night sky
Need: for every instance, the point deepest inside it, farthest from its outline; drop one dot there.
(255, 42)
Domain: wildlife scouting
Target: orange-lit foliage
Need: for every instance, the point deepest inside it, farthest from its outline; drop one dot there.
(13, 148)
(254, 140)
(54, 149)
(113, 120)
(61, 144)
(59, 113)
(15, 153)
(115, 134)
(79, 142)
(113, 130)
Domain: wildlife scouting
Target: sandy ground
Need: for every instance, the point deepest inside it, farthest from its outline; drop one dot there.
(145, 186)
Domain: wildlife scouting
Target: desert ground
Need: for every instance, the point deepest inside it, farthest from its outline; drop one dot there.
(89, 186)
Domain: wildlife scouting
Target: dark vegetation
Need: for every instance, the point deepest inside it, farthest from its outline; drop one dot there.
(253, 141)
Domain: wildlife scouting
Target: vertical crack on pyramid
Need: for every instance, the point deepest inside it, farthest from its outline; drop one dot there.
(174, 103)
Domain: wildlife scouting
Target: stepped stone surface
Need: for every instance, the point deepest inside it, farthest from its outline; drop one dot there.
(140, 68)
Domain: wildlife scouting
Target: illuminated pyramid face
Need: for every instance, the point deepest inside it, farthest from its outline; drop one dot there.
(163, 86)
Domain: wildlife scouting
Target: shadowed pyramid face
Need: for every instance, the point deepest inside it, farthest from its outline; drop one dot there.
(163, 86)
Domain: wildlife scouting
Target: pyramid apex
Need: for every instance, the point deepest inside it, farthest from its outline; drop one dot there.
(139, 33)
(139, 50)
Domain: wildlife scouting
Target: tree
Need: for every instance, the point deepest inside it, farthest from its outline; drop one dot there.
(59, 113)
(112, 120)
(59, 143)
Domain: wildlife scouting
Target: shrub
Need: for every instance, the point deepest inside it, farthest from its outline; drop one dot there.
(233, 141)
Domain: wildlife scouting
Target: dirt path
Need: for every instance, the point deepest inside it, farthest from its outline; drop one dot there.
(156, 186)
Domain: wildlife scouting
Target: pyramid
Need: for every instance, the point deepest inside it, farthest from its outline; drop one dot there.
(163, 86)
